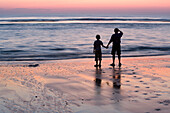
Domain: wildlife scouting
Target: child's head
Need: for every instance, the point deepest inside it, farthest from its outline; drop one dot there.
(97, 37)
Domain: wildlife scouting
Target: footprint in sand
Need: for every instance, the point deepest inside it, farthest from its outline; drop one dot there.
(127, 84)
(154, 97)
(165, 102)
(160, 102)
(145, 93)
(139, 78)
(141, 81)
(147, 99)
(147, 87)
(127, 81)
(136, 91)
(158, 94)
(157, 109)
(137, 87)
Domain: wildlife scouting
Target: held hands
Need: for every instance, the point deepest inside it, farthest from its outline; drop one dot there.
(105, 47)
(94, 51)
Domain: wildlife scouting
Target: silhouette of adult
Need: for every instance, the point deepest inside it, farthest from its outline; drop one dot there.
(116, 40)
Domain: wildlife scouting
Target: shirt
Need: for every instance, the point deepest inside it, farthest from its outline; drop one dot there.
(97, 45)
(115, 38)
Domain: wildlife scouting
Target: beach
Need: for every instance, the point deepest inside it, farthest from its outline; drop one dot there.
(141, 85)
(48, 50)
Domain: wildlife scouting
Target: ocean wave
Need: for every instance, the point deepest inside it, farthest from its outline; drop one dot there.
(144, 48)
(61, 53)
(64, 57)
(82, 19)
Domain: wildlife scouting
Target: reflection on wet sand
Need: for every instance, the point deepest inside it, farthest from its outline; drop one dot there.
(107, 86)
(116, 78)
(98, 76)
(98, 95)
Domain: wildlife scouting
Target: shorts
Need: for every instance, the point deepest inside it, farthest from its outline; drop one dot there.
(117, 49)
(98, 55)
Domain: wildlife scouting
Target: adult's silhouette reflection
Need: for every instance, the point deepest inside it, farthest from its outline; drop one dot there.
(117, 78)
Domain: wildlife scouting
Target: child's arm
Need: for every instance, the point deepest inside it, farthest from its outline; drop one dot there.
(94, 48)
(104, 46)
(94, 51)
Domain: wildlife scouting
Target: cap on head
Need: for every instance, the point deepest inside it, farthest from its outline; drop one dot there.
(98, 37)
(116, 30)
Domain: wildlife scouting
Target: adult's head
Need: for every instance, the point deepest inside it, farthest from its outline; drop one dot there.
(97, 37)
(116, 30)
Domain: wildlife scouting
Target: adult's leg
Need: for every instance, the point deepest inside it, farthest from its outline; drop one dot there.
(113, 58)
(119, 55)
(119, 58)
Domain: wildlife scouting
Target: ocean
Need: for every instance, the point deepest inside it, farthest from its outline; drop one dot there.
(56, 38)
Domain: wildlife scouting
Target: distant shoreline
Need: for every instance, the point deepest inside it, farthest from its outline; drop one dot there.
(73, 59)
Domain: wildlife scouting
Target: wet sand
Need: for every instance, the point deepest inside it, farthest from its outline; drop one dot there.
(141, 85)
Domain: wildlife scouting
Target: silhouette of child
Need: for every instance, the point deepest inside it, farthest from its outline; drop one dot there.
(97, 50)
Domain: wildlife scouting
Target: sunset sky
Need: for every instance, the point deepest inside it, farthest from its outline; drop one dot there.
(85, 5)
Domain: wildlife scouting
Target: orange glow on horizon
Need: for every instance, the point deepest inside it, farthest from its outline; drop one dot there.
(84, 4)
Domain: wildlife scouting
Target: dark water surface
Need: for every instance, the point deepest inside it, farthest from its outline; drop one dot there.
(53, 38)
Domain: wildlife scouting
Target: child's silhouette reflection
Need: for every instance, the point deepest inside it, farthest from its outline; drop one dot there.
(98, 74)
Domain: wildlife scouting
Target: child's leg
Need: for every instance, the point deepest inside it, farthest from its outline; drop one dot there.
(96, 62)
(100, 58)
(96, 59)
